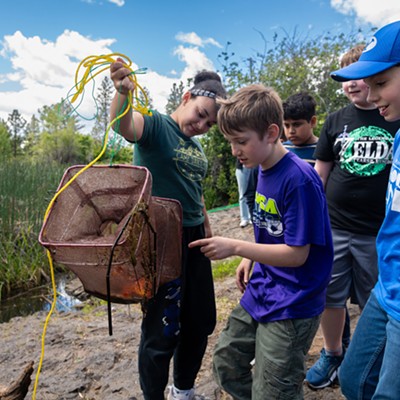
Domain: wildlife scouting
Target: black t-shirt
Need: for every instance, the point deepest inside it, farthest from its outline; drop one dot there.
(359, 142)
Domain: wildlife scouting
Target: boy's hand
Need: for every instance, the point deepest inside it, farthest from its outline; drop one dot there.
(243, 274)
(215, 248)
(120, 77)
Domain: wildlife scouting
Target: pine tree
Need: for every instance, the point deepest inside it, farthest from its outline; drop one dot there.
(103, 101)
(16, 123)
(142, 98)
(175, 97)
(32, 135)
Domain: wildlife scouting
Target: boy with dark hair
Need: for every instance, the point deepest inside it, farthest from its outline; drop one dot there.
(371, 366)
(279, 313)
(353, 160)
(299, 122)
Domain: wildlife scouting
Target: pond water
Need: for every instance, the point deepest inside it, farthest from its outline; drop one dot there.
(38, 299)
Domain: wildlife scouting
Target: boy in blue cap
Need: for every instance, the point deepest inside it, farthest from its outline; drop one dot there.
(354, 157)
(371, 364)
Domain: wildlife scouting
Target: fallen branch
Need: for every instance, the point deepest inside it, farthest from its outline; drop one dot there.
(19, 388)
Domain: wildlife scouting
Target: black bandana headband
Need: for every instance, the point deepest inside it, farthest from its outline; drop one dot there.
(202, 92)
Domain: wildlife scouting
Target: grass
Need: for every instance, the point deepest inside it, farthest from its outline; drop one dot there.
(21, 260)
(221, 270)
(225, 268)
(92, 307)
(25, 191)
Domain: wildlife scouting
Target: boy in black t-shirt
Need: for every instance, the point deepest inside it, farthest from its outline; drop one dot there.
(354, 155)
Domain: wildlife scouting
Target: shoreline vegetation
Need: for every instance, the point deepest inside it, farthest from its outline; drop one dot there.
(25, 190)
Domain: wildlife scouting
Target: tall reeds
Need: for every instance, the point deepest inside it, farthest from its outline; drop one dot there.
(25, 191)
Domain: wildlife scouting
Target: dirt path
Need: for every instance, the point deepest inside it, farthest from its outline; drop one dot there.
(81, 360)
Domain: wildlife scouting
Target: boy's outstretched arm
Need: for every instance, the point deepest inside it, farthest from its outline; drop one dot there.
(216, 247)
(278, 255)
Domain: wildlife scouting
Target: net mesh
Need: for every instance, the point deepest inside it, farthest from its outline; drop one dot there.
(106, 223)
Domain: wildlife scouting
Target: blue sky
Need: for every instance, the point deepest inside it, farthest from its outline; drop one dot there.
(43, 41)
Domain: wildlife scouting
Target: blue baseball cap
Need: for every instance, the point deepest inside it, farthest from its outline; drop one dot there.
(381, 53)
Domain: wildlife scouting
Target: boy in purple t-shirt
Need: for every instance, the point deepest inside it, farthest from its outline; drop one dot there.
(279, 313)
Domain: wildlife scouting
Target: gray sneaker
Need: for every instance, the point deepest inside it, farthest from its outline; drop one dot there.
(176, 394)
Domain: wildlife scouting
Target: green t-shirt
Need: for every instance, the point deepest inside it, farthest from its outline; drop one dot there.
(177, 164)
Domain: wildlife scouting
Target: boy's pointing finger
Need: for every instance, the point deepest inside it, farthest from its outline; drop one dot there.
(200, 242)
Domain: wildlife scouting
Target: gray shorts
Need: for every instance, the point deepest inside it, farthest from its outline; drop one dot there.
(355, 269)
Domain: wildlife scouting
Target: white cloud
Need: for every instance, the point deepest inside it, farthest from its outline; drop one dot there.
(119, 3)
(194, 39)
(194, 59)
(159, 88)
(369, 11)
(43, 72)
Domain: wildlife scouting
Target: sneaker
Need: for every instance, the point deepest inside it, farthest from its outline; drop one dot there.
(244, 223)
(177, 394)
(324, 371)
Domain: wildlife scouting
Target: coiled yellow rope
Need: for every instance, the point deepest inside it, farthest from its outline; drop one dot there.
(90, 63)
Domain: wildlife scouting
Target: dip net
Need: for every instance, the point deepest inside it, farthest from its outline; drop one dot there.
(121, 242)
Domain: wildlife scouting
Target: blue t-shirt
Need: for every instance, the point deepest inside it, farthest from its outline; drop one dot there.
(305, 151)
(290, 208)
(387, 289)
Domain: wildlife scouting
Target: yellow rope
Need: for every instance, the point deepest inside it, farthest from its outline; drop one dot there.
(89, 63)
